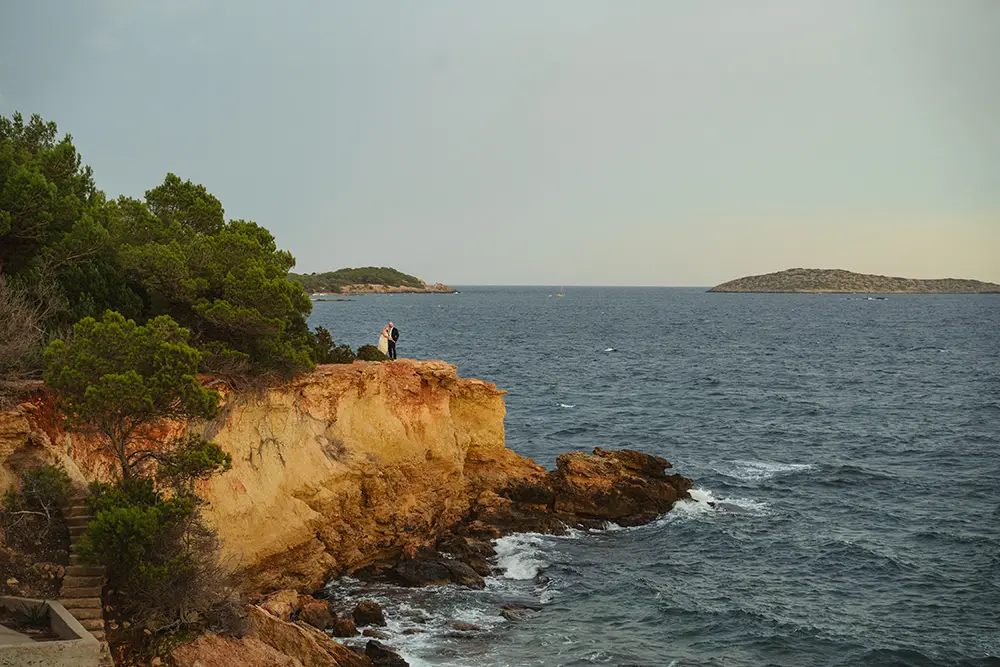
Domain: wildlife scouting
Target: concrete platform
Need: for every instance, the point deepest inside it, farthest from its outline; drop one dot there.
(10, 637)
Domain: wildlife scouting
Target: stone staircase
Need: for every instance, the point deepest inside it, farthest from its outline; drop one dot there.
(83, 584)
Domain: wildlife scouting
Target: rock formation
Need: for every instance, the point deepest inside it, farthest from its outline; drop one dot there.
(369, 464)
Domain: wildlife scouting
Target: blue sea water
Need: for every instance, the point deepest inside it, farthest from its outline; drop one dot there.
(854, 443)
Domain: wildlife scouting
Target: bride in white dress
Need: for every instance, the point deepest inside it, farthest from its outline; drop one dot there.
(383, 339)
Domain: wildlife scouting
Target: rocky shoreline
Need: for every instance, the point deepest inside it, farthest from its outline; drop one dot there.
(357, 290)
(397, 474)
(585, 491)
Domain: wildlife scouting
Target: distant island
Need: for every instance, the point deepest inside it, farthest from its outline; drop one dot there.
(366, 280)
(838, 281)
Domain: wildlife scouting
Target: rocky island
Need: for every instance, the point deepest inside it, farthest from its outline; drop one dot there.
(839, 281)
(366, 280)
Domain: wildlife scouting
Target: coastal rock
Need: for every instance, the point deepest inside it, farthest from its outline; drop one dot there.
(464, 627)
(473, 552)
(430, 568)
(623, 486)
(363, 465)
(283, 604)
(335, 470)
(381, 656)
(317, 614)
(302, 642)
(503, 516)
(343, 626)
(375, 634)
(368, 612)
(214, 651)
(515, 611)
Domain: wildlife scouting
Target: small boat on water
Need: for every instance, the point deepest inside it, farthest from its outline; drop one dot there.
(561, 291)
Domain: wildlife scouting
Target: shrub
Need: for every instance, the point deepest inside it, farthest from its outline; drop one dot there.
(162, 558)
(325, 351)
(371, 353)
(119, 379)
(189, 459)
(31, 512)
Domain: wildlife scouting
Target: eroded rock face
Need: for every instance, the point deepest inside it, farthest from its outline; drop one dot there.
(215, 651)
(340, 468)
(367, 464)
(302, 642)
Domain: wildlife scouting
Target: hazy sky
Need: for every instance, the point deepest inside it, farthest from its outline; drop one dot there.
(661, 142)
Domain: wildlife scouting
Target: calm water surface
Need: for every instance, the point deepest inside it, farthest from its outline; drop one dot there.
(854, 441)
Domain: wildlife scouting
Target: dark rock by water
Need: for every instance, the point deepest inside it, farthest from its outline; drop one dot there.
(430, 568)
(343, 626)
(368, 612)
(382, 656)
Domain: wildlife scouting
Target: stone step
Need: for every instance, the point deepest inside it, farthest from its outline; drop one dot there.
(76, 510)
(76, 559)
(93, 624)
(80, 603)
(86, 571)
(87, 614)
(80, 592)
(78, 520)
(77, 581)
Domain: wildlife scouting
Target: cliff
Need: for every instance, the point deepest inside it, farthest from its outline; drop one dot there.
(361, 464)
(840, 281)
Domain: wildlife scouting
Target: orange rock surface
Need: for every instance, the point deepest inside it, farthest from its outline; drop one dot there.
(342, 467)
(366, 463)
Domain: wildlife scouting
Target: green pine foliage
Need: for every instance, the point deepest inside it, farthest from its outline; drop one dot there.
(160, 556)
(171, 253)
(118, 378)
(325, 351)
(335, 281)
(371, 353)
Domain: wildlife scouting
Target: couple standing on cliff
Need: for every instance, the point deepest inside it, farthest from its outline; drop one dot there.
(387, 340)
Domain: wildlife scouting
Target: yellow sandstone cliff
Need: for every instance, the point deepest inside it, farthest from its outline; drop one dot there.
(340, 468)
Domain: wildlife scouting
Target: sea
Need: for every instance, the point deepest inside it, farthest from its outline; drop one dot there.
(845, 452)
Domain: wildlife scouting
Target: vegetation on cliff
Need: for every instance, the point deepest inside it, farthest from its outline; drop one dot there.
(120, 379)
(67, 252)
(840, 281)
(33, 534)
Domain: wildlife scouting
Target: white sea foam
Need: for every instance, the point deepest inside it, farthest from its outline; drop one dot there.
(609, 526)
(703, 503)
(520, 556)
(758, 471)
(564, 405)
(610, 349)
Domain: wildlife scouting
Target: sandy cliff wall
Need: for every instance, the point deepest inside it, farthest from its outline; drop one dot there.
(340, 468)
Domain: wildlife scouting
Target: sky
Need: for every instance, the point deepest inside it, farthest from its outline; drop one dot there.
(553, 142)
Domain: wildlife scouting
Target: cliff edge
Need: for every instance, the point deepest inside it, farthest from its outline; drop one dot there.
(366, 463)
(838, 281)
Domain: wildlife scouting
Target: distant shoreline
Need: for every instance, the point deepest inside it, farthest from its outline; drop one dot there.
(839, 281)
(361, 290)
